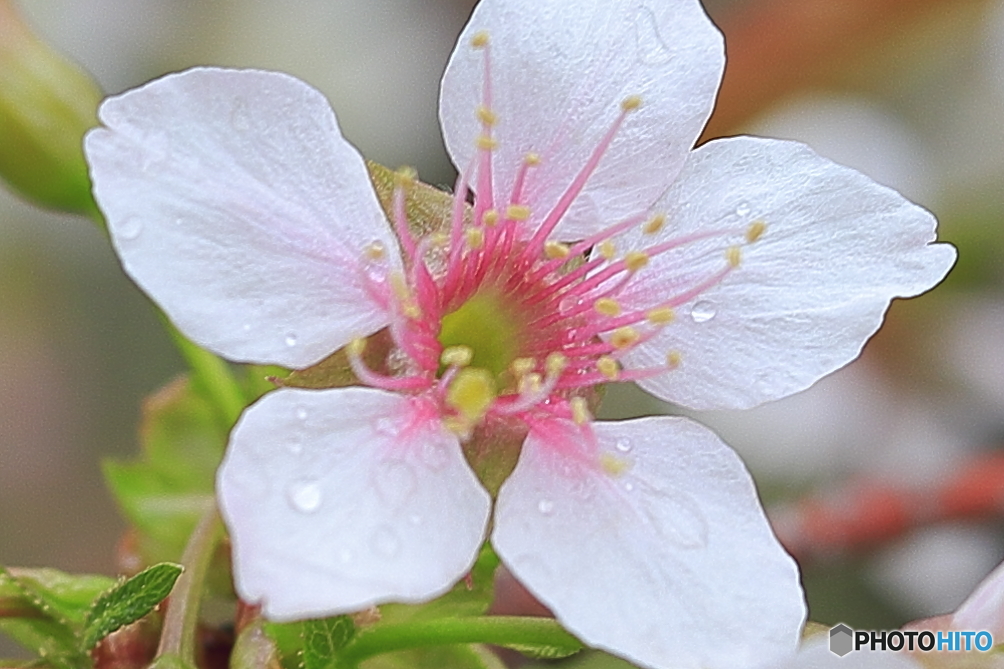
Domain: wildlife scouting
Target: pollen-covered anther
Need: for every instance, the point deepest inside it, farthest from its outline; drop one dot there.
(608, 367)
(607, 249)
(490, 218)
(486, 143)
(475, 237)
(456, 356)
(556, 250)
(405, 177)
(480, 39)
(487, 116)
(635, 260)
(755, 231)
(531, 384)
(408, 305)
(631, 102)
(517, 212)
(624, 337)
(522, 366)
(580, 410)
(673, 359)
(375, 250)
(660, 315)
(532, 159)
(654, 224)
(734, 255)
(555, 364)
(607, 307)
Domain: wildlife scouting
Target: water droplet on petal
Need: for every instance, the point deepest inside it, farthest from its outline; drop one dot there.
(304, 495)
(628, 486)
(545, 506)
(130, 228)
(395, 482)
(246, 327)
(385, 543)
(623, 445)
(743, 209)
(291, 339)
(703, 311)
(301, 412)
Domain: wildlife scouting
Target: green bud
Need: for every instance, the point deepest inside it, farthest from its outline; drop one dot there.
(46, 105)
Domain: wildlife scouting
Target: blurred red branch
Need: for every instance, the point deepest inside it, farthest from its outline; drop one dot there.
(776, 47)
(867, 512)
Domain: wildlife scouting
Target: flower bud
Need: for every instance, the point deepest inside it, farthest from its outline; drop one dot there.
(47, 104)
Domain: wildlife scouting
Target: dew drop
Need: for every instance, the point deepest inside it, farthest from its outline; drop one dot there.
(385, 543)
(652, 49)
(743, 209)
(246, 327)
(301, 412)
(623, 445)
(395, 482)
(291, 339)
(628, 486)
(130, 228)
(304, 495)
(545, 506)
(703, 311)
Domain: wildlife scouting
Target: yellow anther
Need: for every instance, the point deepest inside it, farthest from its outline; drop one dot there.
(608, 367)
(755, 231)
(613, 465)
(607, 306)
(456, 356)
(635, 260)
(607, 249)
(486, 143)
(580, 410)
(439, 239)
(517, 212)
(356, 347)
(375, 250)
(660, 316)
(399, 286)
(471, 393)
(405, 177)
(532, 159)
(654, 224)
(555, 363)
(411, 310)
(490, 218)
(480, 39)
(487, 116)
(734, 256)
(624, 337)
(556, 250)
(475, 237)
(631, 102)
(531, 384)
(673, 359)
(522, 366)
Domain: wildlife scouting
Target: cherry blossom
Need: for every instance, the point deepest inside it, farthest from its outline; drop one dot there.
(601, 247)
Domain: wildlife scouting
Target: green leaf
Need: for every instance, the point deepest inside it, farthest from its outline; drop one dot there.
(167, 490)
(50, 607)
(127, 602)
(437, 657)
(323, 638)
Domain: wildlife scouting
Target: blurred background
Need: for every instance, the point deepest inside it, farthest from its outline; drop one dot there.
(884, 479)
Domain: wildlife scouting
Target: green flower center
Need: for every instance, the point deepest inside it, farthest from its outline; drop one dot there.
(487, 325)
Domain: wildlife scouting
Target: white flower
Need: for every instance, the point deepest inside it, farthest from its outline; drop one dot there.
(720, 277)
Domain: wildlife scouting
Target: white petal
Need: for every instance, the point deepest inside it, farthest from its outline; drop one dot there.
(236, 204)
(669, 563)
(340, 499)
(806, 296)
(984, 608)
(559, 72)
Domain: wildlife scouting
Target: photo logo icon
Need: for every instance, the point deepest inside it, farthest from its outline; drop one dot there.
(841, 640)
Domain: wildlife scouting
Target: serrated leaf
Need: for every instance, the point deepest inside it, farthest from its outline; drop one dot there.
(470, 597)
(544, 652)
(323, 638)
(128, 601)
(167, 490)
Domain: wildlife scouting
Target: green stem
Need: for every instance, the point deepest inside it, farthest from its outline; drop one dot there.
(214, 374)
(510, 631)
(18, 607)
(182, 617)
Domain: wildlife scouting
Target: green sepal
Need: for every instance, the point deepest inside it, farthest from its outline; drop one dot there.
(323, 638)
(128, 601)
(437, 657)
